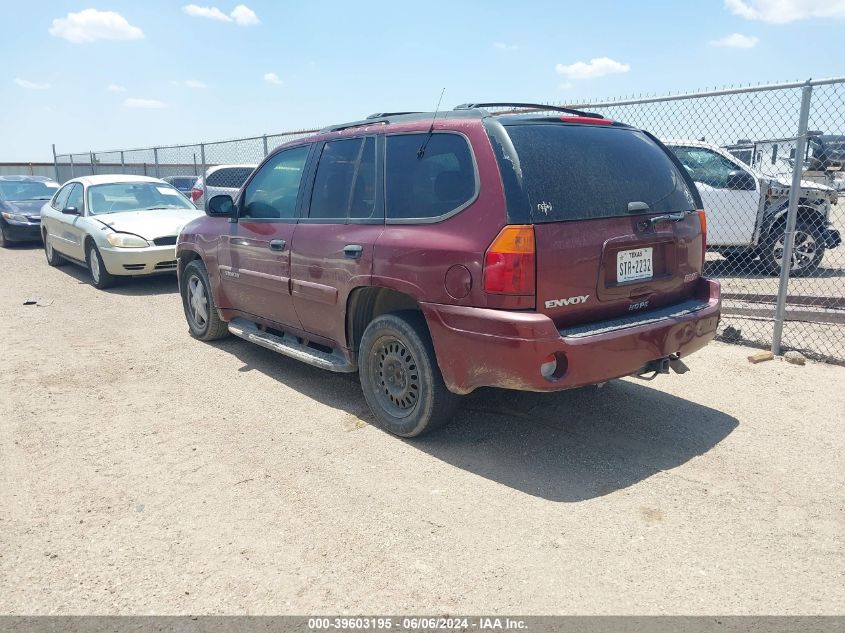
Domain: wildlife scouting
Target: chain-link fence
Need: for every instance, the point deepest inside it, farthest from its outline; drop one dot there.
(740, 147)
(768, 162)
(225, 163)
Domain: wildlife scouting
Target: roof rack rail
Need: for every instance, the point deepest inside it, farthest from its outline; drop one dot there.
(346, 126)
(381, 115)
(532, 106)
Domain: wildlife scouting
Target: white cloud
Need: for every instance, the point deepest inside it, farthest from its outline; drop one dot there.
(505, 47)
(91, 25)
(150, 104)
(241, 15)
(597, 67)
(244, 16)
(212, 13)
(195, 84)
(115, 88)
(785, 11)
(31, 85)
(736, 40)
(273, 78)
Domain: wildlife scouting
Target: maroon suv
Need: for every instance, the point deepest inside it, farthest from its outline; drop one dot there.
(435, 255)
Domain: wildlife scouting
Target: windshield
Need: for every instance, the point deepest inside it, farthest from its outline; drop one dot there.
(135, 196)
(579, 172)
(12, 190)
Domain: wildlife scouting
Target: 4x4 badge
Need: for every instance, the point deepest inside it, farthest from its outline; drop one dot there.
(545, 207)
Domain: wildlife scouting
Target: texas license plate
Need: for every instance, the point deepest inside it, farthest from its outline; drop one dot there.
(634, 264)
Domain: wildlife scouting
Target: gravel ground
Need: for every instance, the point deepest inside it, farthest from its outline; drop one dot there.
(144, 472)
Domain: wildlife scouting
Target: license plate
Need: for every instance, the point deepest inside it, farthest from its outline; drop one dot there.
(634, 264)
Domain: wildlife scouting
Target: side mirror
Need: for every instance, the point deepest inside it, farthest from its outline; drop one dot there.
(739, 180)
(220, 206)
(71, 211)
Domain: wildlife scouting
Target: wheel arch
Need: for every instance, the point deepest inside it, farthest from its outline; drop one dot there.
(365, 303)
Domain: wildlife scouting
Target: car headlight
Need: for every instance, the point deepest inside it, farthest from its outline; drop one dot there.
(126, 240)
(14, 217)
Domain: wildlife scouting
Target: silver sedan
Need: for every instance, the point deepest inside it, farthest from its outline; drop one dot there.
(115, 225)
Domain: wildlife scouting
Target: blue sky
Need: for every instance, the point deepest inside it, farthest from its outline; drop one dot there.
(118, 74)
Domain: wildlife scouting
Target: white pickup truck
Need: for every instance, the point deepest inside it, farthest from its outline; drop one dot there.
(746, 210)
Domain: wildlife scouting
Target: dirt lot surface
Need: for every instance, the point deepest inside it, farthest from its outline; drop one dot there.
(142, 471)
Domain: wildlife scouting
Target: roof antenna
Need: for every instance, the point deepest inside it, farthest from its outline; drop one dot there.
(421, 150)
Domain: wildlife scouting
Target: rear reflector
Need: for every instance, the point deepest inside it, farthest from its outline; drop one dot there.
(196, 194)
(586, 119)
(510, 260)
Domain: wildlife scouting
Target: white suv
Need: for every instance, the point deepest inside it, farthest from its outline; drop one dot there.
(220, 179)
(746, 210)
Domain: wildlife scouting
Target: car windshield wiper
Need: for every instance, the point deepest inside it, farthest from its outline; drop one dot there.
(171, 206)
(667, 217)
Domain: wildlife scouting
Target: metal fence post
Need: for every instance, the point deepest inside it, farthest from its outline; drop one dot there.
(204, 167)
(122, 164)
(71, 166)
(264, 138)
(791, 215)
(155, 155)
(56, 163)
(91, 155)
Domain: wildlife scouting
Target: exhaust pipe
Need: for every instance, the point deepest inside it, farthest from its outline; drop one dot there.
(653, 368)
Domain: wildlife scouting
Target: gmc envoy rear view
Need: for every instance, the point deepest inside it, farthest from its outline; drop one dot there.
(434, 254)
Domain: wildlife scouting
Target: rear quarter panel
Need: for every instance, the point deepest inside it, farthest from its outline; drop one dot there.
(415, 258)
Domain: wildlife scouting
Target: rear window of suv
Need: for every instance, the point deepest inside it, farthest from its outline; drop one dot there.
(232, 177)
(582, 172)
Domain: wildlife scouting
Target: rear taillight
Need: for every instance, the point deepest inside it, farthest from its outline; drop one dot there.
(196, 194)
(702, 219)
(510, 261)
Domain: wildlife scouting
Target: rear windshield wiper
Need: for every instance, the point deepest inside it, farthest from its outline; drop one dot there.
(667, 217)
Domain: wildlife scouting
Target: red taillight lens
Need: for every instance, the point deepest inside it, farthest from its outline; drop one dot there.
(510, 261)
(196, 194)
(702, 219)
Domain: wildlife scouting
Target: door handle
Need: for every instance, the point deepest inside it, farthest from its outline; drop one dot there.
(277, 245)
(353, 251)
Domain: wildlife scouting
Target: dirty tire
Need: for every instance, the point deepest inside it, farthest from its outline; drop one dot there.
(400, 377)
(807, 254)
(4, 243)
(100, 277)
(200, 310)
(53, 257)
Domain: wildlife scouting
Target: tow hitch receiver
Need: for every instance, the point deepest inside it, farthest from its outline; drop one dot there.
(650, 370)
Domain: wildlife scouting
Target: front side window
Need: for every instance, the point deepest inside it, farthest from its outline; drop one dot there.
(345, 183)
(75, 197)
(60, 201)
(134, 196)
(430, 183)
(272, 193)
(705, 166)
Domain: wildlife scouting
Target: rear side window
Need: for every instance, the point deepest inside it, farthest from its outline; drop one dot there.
(232, 177)
(439, 181)
(345, 183)
(582, 172)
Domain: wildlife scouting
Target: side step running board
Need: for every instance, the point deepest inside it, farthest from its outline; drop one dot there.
(289, 346)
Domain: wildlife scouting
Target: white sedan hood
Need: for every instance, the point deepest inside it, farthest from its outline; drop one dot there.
(151, 224)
